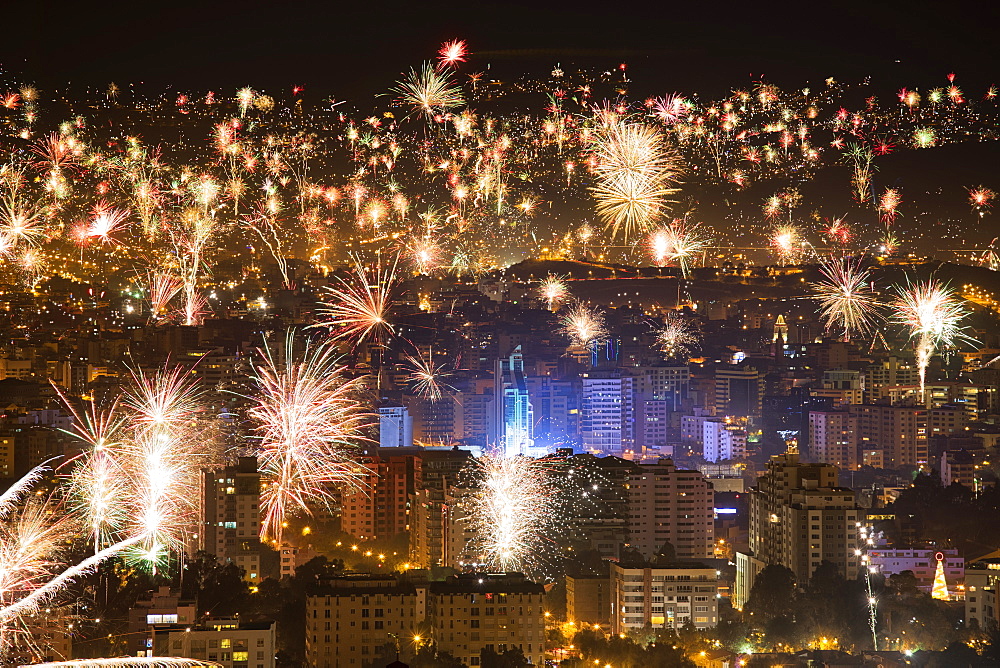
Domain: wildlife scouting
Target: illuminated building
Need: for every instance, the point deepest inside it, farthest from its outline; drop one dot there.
(228, 642)
(471, 612)
(723, 441)
(231, 525)
(350, 619)
(833, 438)
(514, 414)
(670, 505)
(395, 427)
(668, 596)
(799, 518)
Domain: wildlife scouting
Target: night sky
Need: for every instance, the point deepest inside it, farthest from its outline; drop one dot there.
(357, 49)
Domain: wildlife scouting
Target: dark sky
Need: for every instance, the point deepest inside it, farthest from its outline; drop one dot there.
(358, 48)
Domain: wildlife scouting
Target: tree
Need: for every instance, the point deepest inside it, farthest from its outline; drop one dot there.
(509, 658)
(429, 657)
(772, 595)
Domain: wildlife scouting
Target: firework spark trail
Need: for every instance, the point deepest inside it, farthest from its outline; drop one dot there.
(33, 540)
(191, 237)
(309, 424)
(163, 287)
(31, 603)
(357, 307)
(426, 378)
(676, 338)
(583, 325)
(553, 290)
(514, 512)
(846, 302)
(934, 316)
(17, 490)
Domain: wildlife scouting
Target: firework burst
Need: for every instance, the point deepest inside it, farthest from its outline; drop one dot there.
(553, 290)
(453, 52)
(678, 243)
(847, 302)
(426, 378)
(677, 337)
(309, 424)
(357, 307)
(787, 242)
(513, 513)
(583, 325)
(429, 91)
(635, 171)
(934, 315)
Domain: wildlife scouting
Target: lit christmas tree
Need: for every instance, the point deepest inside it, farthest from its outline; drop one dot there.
(940, 588)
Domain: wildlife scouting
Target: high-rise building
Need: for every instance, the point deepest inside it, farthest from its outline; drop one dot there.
(900, 432)
(670, 505)
(380, 506)
(395, 427)
(667, 596)
(514, 414)
(842, 386)
(349, 619)
(723, 440)
(555, 406)
(799, 518)
(668, 383)
(231, 516)
(440, 471)
(468, 613)
(833, 438)
(888, 372)
(606, 425)
(739, 390)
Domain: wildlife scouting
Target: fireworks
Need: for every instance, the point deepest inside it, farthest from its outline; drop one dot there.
(676, 338)
(452, 53)
(934, 317)
(165, 450)
(424, 254)
(678, 243)
(554, 291)
(847, 302)
(105, 221)
(888, 205)
(426, 378)
(787, 243)
(429, 91)
(583, 325)
(635, 170)
(513, 512)
(981, 199)
(134, 492)
(308, 425)
(357, 307)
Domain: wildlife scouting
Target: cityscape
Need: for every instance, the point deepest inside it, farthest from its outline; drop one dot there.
(507, 362)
